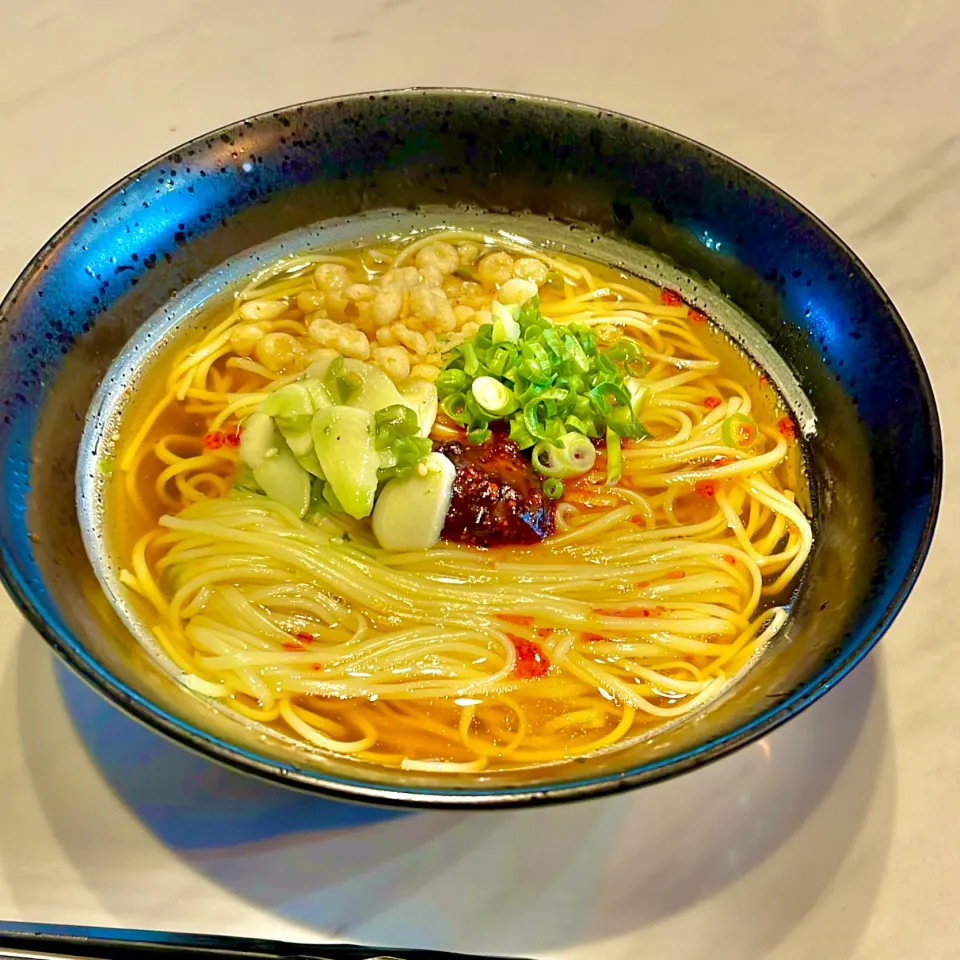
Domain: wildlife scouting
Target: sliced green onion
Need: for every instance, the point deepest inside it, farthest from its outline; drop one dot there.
(553, 488)
(580, 451)
(622, 421)
(520, 435)
(571, 456)
(739, 431)
(483, 338)
(335, 368)
(401, 457)
(549, 382)
(638, 394)
(614, 457)
(583, 408)
(532, 420)
(392, 423)
(553, 341)
(475, 415)
(532, 333)
(607, 394)
(555, 394)
(606, 366)
(624, 349)
(626, 353)
(342, 385)
(451, 381)
(573, 351)
(530, 311)
(547, 460)
(493, 397)
(455, 407)
(574, 423)
(589, 340)
(348, 386)
(399, 419)
(471, 363)
(505, 326)
(535, 364)
(500, 358)
(478, 436)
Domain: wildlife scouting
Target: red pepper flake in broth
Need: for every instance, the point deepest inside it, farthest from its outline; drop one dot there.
(213, 440)
(696, 316)
(706, 488)
(316, 666)
(676, 575)
(721, 461)
(731, 559)
(711, 403)
(786, 428)
(643, 584)
(764, 379)
(543, 632)
(232, 437)
(305, 637)
(670, 299)
(532, 662)
(592, 637)
(293, 645)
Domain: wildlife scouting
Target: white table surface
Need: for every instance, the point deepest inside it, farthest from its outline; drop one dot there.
(837, 836)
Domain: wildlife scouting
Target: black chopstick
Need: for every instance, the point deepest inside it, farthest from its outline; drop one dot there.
(23, 940)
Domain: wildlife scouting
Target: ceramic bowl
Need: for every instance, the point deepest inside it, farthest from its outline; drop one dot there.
(874, 458)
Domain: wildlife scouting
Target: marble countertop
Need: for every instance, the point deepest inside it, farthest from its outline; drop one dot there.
(835, 837)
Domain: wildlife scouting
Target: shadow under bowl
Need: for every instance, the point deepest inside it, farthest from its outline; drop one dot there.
(874, 462)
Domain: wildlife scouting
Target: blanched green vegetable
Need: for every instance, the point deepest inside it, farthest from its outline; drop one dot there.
(421, 396)
(343, 438)
(370, 435)
(374, 389)
(283, 479)
(292, 402)
(318, 393)
(292, 408)
(272, 465)
(258, 437)
(308, 459)
(410, 512)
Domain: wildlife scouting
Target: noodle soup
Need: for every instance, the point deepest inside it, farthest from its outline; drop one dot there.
(457, 503)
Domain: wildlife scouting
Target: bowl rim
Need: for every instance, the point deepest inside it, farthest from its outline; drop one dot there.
(334, 786)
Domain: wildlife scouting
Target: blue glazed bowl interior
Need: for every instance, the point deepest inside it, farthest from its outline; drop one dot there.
(875, 460)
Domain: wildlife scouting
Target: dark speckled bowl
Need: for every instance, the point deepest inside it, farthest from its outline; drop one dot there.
(875, 459)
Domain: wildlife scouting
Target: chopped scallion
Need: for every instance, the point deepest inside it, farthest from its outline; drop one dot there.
(739, 431)
(493, 396)
(546, 380)
(553, 488)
